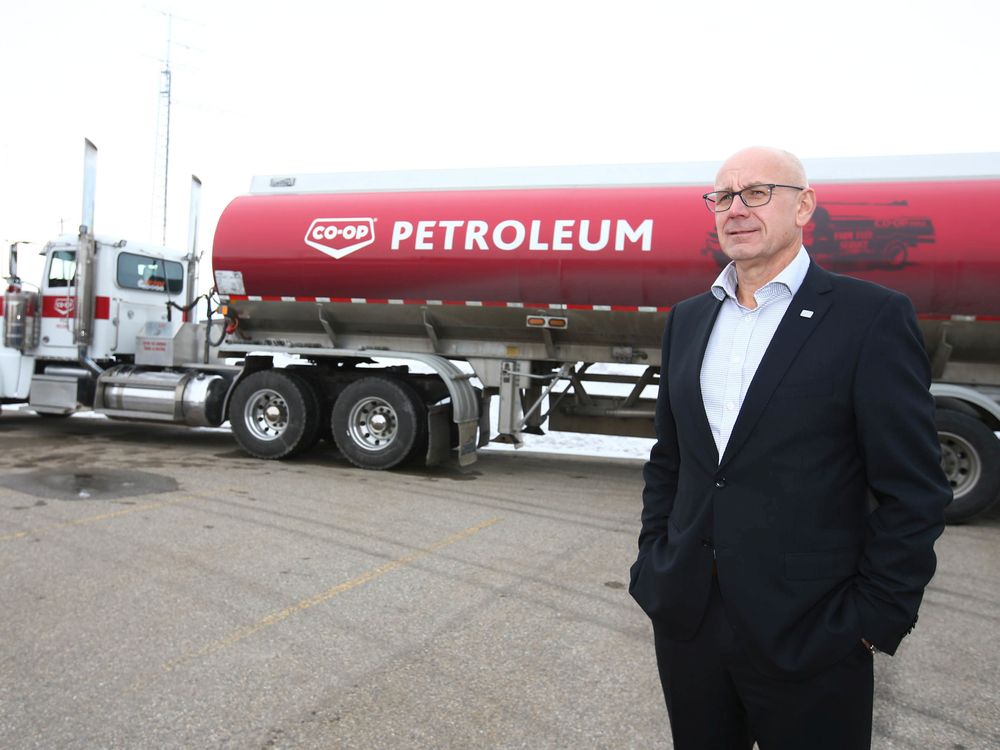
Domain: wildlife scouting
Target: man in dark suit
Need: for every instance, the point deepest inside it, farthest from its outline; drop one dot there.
(789, 397)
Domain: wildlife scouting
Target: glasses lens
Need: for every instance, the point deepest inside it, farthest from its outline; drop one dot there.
(719, 201)
(756, 195)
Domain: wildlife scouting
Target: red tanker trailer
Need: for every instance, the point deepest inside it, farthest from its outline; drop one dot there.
(402, 304)
(624, 247)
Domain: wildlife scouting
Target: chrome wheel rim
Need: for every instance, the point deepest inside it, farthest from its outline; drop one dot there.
(266, 414)
(960, 462)
(373, 424)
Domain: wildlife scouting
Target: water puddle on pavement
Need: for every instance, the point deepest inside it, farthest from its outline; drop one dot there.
(88, 484)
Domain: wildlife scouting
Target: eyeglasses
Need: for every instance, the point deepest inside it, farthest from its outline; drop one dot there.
(754, 196)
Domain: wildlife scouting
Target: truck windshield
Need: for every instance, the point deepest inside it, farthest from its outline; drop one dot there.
(150, 274)
(62, 269)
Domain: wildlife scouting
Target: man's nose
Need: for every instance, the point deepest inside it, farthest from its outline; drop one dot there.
(739, 208)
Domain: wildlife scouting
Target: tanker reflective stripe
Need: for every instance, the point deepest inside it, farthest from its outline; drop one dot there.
(340, 237)
(511, 234)
(959, 318)
(235, 298)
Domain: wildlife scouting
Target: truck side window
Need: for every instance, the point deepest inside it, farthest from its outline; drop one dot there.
(150, 274)
(62, 269)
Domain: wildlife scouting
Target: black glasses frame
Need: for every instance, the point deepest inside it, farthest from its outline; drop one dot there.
(712, 202)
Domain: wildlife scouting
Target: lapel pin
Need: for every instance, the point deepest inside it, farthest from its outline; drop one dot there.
(806, 313)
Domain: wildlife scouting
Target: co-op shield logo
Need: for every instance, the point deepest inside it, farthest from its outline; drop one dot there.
(65, 305)
(340, 237)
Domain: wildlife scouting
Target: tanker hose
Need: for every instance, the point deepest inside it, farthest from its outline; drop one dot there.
(183, 308)
(208, 330)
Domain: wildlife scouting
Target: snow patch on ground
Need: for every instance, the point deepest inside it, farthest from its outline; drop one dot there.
(578, 444)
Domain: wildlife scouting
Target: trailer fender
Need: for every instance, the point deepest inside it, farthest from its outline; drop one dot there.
(966, 395)
(251, 365)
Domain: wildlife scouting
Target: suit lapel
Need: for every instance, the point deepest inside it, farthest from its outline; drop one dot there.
(792, 333)
(693, 404)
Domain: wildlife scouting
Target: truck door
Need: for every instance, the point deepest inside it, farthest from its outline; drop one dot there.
(59, 303)
(145, 286)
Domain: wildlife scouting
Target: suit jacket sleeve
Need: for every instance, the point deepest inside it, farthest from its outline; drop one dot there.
(661, 471)
(901, 453)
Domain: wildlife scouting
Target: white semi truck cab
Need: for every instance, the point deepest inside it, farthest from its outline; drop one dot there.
(109, 328)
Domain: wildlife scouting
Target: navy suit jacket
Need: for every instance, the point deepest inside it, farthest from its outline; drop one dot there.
(838, 413)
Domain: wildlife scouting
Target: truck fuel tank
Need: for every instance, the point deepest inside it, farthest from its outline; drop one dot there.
(20, 320)
(185, 397)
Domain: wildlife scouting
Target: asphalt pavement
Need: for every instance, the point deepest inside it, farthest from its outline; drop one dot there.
(162, 590)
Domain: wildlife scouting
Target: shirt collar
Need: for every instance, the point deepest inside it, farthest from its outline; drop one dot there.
(791, 277)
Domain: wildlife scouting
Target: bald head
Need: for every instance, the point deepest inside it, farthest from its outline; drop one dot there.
(784, 166)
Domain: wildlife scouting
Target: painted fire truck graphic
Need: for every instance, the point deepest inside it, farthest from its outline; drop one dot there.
(853, 235)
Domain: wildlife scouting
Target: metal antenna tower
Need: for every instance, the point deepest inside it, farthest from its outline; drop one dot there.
(161, 165)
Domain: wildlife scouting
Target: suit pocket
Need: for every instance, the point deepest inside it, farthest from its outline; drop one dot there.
(641, 588)
(648, 576)
(834, 563)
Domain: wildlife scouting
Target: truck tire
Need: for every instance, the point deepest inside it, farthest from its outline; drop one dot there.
(970, 457)
(379, 422)
(274, 414)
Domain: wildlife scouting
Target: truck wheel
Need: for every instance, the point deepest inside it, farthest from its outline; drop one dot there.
(970, 457)
(379, 422)
(274, 414)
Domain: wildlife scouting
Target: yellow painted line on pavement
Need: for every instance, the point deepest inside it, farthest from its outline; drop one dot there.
(367, 577)
(96, 519)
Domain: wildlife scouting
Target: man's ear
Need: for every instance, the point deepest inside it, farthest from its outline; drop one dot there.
(807, 204)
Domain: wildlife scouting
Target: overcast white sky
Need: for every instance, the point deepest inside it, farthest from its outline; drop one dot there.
(325, 86)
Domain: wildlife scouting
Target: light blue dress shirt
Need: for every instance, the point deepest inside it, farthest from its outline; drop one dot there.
(738, 342)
